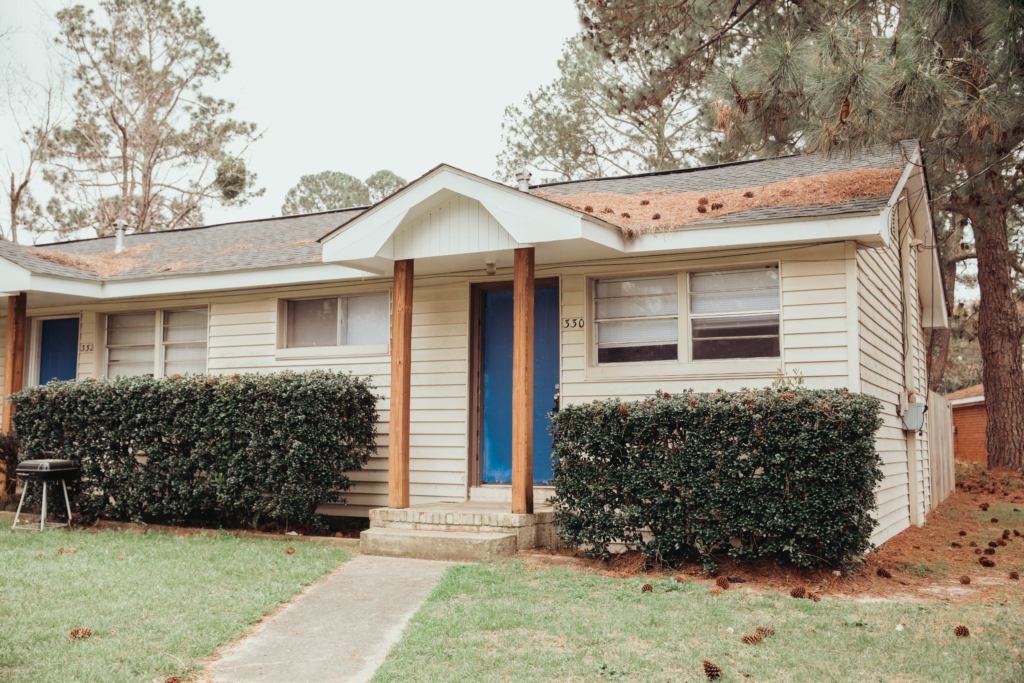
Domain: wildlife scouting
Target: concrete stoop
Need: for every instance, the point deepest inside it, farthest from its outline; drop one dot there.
(456, 532)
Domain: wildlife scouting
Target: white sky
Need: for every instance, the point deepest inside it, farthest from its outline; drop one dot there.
(359, 86)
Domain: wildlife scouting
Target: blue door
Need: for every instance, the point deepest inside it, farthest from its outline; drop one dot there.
(497, 383)
(58, 350)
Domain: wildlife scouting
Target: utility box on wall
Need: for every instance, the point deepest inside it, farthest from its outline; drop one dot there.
(913, 417)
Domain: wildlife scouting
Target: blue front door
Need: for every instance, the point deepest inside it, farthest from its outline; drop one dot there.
(497, 383)
(58, 350)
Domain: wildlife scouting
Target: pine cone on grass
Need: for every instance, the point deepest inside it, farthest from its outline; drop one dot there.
(1014, 576)
(764, 631)
(722, 582)
(755, 639)
(712, 670)
(798, 592)
(80, 633)
(992, 544)
(647, 588)
(985, 562)
(815, 596)
(173, 679)
(290, 551)
(963, 533)
(884, 573)
(965, 580)
(973, 544)
(961, 632)
(995, 520)
(954, 544)
(990, 551)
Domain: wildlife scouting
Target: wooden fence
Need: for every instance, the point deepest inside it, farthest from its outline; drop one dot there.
(940, 447)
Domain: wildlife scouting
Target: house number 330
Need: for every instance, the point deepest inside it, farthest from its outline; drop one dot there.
(572, 323)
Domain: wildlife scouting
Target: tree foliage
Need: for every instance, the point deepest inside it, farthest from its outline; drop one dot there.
(596, 119)
(834, 77)
(331, 190)
(146, 143)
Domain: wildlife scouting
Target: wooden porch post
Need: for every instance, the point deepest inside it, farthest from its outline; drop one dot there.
(401, 380)
(14, 362)
(522, 383)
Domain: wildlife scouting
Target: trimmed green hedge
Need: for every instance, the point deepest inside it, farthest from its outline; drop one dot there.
(240, 451)
(751, 474)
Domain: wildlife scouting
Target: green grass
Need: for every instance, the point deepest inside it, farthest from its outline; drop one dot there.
(172, 602)
(509, 622)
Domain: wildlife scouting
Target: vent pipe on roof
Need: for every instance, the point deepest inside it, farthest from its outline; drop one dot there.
(119, 225)
(523, 178)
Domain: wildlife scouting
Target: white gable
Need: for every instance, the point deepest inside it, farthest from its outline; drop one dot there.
(450, 224)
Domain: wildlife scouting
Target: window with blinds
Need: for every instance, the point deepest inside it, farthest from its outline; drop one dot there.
(338, 321)
(135, 342)
(734, 314)
(637, 319)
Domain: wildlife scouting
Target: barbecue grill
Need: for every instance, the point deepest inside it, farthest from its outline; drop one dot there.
(45, 471)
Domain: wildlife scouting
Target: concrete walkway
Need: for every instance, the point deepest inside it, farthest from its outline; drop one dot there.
(338, 631)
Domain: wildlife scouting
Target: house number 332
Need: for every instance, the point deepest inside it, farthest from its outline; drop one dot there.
(572, 323)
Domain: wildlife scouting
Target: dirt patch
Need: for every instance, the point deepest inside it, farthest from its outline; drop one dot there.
(645, 213)
(924, 563)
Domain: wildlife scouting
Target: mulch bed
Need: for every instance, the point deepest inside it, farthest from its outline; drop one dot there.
(921, 560)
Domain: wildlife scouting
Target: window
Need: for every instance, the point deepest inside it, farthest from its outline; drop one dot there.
(735, 314)
(637, 319)
(134, 342)
(338, 321)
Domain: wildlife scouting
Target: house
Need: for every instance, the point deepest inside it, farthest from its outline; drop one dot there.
(708, 278)
(969, 422)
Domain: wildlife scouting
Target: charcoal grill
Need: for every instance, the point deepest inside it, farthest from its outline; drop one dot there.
(44, 472)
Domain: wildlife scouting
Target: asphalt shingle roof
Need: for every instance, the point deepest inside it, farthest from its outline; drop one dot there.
(276, 242)
(747, 174)
(292, 240)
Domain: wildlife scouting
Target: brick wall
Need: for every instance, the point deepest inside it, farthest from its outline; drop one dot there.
(969, 440)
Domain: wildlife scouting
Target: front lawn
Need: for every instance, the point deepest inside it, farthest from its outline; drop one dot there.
(513, 622)
(157, 604)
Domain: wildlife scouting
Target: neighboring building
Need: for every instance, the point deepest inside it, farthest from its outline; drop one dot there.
(969, 420)
(700, 279)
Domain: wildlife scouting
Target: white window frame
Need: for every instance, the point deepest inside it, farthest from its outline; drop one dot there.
(158, 332)
(684, 367)
(679, 316)
(284, 353)
(690, 316)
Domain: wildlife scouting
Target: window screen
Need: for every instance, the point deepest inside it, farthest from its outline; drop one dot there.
(735, 314)
(637, 319)
(184, 337)
(131, 344)
(344, 321)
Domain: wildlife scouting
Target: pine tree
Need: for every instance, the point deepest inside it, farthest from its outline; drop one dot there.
(831, 78)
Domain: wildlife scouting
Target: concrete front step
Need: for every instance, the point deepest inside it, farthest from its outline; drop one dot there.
(445, 546)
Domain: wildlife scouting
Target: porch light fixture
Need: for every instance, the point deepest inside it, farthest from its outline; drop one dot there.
(492, 267)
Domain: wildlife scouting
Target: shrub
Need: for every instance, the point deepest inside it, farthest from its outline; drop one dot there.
(8, 462)
(240, 450)
(789, 476)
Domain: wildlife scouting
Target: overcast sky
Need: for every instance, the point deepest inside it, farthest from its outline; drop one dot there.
(359, 86)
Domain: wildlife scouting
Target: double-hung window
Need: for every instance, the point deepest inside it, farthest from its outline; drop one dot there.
(734, 314)
(637, 319)
(338, 321)
(160, 343)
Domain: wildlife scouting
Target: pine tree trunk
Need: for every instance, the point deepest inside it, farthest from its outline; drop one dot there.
(999, 334)
(938, 340)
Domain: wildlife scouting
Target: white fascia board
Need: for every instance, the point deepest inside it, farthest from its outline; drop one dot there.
(970, 400)
(181, 284)
(233, 280)
(865, 228)
(528, 219)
